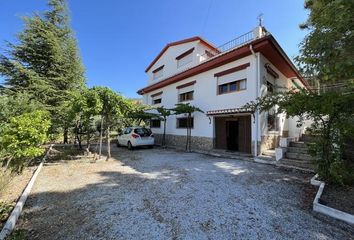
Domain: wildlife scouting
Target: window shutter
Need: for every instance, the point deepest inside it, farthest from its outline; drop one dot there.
(232, 77)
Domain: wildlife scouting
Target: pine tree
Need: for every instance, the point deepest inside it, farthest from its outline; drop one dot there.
(45, 62)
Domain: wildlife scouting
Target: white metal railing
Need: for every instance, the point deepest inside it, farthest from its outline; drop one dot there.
(244, 39)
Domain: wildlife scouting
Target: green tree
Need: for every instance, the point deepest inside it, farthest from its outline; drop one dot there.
(139, 113)
(85, 106)
(114, 109)
(45, 62)
(15, 105)
(186, 108)
(327, 51)
(332, 114)
(21, 139)
(326, 54)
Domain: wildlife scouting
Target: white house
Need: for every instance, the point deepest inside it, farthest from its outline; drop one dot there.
(220, 81)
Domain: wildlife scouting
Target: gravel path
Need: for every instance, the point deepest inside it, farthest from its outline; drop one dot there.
(165, 194)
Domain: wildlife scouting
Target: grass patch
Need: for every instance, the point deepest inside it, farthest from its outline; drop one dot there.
(64, 153)
(5, 210)
(19, 234)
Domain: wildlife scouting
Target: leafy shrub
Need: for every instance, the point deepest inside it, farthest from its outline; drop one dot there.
(22, 137)
(341, 173)
(5, 210)
(19, 234)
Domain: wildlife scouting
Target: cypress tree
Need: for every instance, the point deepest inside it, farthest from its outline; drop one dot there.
(45, 62)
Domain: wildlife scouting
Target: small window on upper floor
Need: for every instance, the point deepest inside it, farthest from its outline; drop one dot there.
(232, 86)
(156, 101)
(158, 72)
(185, 58)
(187, 96)
(156, 98)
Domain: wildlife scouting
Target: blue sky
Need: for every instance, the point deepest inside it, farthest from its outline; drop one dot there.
(118, 39)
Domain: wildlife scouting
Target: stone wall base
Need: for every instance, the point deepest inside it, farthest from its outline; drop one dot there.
(179, 141)
(269, 142)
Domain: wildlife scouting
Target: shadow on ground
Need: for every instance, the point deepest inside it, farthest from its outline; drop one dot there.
(166, 194)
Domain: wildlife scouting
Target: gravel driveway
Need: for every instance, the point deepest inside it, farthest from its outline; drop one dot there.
(166, 194)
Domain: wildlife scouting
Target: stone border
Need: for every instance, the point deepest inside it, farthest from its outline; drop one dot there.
(15, 214)
(332, 212)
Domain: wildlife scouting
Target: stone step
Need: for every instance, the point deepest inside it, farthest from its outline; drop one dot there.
(265, 159)
(306, 169)
(297, 150)
(298, 156)
(307, 138)
(297, 144)
(296, 163)
(270, 153)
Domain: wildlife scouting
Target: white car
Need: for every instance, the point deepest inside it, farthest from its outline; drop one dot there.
(136, 136)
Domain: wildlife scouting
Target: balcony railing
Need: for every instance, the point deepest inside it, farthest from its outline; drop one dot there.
(234, 43)
(244, 39)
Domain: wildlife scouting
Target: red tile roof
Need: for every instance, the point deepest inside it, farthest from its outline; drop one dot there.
(187, 40)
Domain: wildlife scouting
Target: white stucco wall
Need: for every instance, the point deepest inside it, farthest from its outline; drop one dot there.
(168, 59)
(206, 97)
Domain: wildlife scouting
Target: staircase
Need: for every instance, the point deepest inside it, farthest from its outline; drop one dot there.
(296, 155)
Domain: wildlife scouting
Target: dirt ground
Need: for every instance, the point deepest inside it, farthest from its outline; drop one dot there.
(14, 188)
(341, 198)
(167, 194)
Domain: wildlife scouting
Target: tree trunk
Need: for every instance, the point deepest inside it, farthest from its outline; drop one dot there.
(188, 145)
(65, 136)
(108, 143)
(101, 130)
(78, 138)
(88, 144)
(164, 133)
(77, 133)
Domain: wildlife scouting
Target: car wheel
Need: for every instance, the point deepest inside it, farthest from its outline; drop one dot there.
(130, 146)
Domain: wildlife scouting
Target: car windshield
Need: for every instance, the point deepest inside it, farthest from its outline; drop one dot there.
(143, 132)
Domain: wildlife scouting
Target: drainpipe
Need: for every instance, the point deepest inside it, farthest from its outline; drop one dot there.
(256, 116)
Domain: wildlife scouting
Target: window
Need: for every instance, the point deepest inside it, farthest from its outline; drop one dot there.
(270, 87)
(142, 132)
(185, 58)
(187, 96)
(182, 122)
(127, 131)
(156, 98)
(232, 86)
(155, 123)
(272, 120)
(156, 101)
(158, 72)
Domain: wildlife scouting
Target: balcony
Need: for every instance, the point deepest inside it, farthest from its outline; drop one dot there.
(244, 39)
(209, 54)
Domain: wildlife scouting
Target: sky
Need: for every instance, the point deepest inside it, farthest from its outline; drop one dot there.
(118, 39)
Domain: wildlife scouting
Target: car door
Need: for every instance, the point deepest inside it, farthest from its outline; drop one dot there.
(120, 138)
(126, 136)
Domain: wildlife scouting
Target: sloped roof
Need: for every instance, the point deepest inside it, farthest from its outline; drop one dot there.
(267, 45)
(187, 40)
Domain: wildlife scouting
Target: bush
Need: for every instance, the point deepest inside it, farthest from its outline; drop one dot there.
(341, 173)
(21, 139)
(5, 210)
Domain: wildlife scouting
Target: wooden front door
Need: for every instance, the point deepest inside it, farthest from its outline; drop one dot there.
(233, 133)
